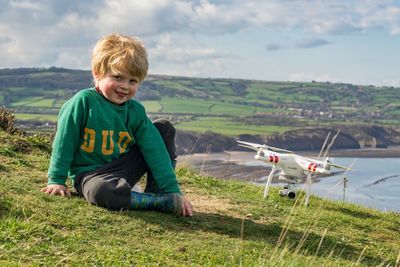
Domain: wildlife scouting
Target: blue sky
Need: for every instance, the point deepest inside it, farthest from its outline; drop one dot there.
(278, 40)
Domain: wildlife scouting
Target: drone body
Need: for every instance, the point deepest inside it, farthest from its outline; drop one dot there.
(293, 167)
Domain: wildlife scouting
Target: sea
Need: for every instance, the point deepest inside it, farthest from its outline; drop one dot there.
(373, 182)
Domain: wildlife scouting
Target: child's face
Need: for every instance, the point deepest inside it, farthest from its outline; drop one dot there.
(117, 87)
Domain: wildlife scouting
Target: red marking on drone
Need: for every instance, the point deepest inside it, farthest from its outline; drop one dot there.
(312, 167)
(273, 158)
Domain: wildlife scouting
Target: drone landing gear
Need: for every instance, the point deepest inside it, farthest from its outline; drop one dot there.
(267, 185)
(308, 188)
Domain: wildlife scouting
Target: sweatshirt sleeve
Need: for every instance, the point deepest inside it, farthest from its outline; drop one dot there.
(66, 141)
(155, 153)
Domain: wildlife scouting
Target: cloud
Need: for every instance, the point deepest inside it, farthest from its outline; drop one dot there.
(311, 43)
(223, 17)
(160, 16)
(4, 39)
(165, 52)
(273, 47)
(315, 16)
(206, 16)
(188, 55)
(41, 31)
(394, 82)
(25, 5)
(375, 14)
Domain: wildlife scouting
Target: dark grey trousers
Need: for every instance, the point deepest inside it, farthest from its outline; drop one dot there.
(110, 185)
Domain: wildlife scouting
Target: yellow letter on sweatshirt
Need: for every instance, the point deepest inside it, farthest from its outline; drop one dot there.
(123, 141)
(107, 135)
(89, 138)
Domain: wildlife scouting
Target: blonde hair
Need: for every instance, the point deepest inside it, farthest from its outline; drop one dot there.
(118, 53)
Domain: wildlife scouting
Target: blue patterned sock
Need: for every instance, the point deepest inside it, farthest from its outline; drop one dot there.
(168, 202)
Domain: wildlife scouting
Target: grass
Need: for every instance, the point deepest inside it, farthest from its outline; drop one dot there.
(232, 225)
(200, 106)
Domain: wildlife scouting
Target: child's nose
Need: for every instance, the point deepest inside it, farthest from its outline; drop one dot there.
(124, 84)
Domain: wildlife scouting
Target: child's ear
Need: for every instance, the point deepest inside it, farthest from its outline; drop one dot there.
(96, 77)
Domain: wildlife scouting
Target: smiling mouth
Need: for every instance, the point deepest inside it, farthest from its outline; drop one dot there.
(120, 94)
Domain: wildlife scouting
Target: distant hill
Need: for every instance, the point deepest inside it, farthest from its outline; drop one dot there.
(230, 107)
(319, 101)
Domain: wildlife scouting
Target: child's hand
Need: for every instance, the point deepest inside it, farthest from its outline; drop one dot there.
(56, 189)
(187, 209)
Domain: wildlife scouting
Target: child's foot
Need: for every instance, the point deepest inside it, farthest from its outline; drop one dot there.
(168, 202)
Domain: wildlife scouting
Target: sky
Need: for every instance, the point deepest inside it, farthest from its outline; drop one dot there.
(349, 41)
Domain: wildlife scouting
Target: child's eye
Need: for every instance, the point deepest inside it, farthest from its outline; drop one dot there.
(133, 81)
(117, 77)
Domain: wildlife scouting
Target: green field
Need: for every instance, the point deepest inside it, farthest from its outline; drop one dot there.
(228, 126)
(34, 102)
(177, 105)
(36, 117)
(152, 106)
(26, 101)
(199, 106)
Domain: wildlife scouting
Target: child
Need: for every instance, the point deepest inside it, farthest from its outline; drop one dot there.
(105, 142)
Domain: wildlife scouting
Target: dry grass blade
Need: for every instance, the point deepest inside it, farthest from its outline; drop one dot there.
(320, 242)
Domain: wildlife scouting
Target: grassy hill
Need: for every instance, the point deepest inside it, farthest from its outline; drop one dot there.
(232, 225)
(226, 106)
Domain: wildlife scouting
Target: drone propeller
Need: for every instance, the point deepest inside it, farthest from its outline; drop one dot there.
(277, 149)
(247, 145)
(258, 147)
(340, 167)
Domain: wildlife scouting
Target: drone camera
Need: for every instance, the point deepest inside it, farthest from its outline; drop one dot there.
(291, 194)
(286, 192)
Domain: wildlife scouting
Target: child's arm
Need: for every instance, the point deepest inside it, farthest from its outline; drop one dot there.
(64, 146)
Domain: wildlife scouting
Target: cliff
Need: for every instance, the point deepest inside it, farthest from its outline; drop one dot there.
(310, 139)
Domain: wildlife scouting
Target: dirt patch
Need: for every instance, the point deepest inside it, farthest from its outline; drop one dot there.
(208, 204)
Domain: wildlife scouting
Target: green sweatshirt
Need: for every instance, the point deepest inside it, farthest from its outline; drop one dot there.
(93, 131)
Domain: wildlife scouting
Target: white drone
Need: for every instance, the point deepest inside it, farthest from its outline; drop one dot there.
(293, 167)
